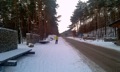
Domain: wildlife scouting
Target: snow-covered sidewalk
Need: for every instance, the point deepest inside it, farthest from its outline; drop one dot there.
(109, 45)
(51, 57)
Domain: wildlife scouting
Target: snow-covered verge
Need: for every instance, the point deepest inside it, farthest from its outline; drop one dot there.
(109, 45)
(51, 57)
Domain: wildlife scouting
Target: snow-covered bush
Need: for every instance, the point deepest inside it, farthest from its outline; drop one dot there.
(30, 45)
(50, 37)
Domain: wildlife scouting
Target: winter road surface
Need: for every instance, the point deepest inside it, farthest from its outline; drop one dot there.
(106, 58)
(51, 57)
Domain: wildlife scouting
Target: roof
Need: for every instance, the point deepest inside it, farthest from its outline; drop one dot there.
(115, 24)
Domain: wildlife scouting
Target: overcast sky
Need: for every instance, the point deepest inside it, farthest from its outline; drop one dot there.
(66, 8)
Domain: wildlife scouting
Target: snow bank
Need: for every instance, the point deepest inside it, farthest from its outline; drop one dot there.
(109, 45)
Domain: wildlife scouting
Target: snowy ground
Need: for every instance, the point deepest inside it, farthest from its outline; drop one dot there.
(51, 58)
(109, 45)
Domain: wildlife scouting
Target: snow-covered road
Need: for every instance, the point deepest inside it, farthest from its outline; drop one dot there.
(51, 57)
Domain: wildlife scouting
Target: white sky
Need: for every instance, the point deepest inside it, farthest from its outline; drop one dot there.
(66, 8)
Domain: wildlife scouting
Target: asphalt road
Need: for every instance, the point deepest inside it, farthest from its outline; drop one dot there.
(107, 59)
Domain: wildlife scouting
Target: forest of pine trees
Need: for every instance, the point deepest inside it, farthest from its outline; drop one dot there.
(96, 15)
(29, 16)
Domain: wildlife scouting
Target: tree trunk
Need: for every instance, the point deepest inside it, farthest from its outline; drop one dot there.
(118, 31)
(19, 36)
(105, 22)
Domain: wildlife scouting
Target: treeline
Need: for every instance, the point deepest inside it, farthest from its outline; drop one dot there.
(95, 14)
(29, 16)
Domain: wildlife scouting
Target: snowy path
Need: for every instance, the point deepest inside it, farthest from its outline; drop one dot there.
(51, 58)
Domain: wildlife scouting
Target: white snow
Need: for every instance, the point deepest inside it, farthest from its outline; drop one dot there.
(109, 45)
(9, 54)
(51, 57)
